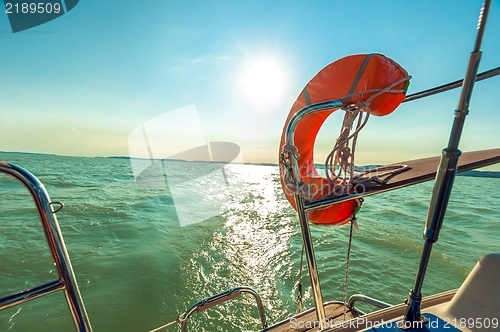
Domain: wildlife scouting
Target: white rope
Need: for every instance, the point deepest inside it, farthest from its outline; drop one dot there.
(180, 318)
(339, 164)
(299, 188)
(378, 92)
(342, 156)
(365, 176)
(166, 325)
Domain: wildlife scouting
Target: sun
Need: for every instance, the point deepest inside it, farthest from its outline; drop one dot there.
(263, 82)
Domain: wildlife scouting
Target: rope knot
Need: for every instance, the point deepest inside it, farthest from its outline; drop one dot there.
(291, 150)
(363, 104)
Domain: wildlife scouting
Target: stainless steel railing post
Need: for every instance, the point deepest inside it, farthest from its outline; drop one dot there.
(299, 203)
(67, 280)
(311, 262)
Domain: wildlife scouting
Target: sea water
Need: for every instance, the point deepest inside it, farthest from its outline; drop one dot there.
(136, 266)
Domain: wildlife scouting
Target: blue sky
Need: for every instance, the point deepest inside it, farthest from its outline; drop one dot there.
(79, 85)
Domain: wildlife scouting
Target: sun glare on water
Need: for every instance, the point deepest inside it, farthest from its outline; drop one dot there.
(263, 83)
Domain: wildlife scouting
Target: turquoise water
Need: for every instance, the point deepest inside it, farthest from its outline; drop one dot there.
(136, 266)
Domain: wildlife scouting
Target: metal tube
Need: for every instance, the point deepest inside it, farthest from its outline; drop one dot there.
(55, 242)
(297, 117)
(366, 299)
(221, 298)
(311, 262)
(30, 294)
(452, 85)
(446, 173)
(299, 203)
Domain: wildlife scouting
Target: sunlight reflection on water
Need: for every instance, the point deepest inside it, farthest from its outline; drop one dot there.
(136, 265)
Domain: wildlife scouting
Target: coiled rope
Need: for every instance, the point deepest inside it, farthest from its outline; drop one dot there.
(339, 164)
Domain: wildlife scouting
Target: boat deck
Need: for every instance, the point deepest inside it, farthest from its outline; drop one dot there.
(307, 321)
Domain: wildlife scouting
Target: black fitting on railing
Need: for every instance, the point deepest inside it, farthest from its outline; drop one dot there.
(412, 313)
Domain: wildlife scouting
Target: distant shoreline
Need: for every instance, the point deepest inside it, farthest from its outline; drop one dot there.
(472, 173)
(481, 174)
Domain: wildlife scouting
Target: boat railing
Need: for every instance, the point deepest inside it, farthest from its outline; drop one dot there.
(366, 299)
(66, 280)
(303, 206)
(222, 298)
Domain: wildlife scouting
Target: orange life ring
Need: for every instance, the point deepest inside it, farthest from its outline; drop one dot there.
(334, 82)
